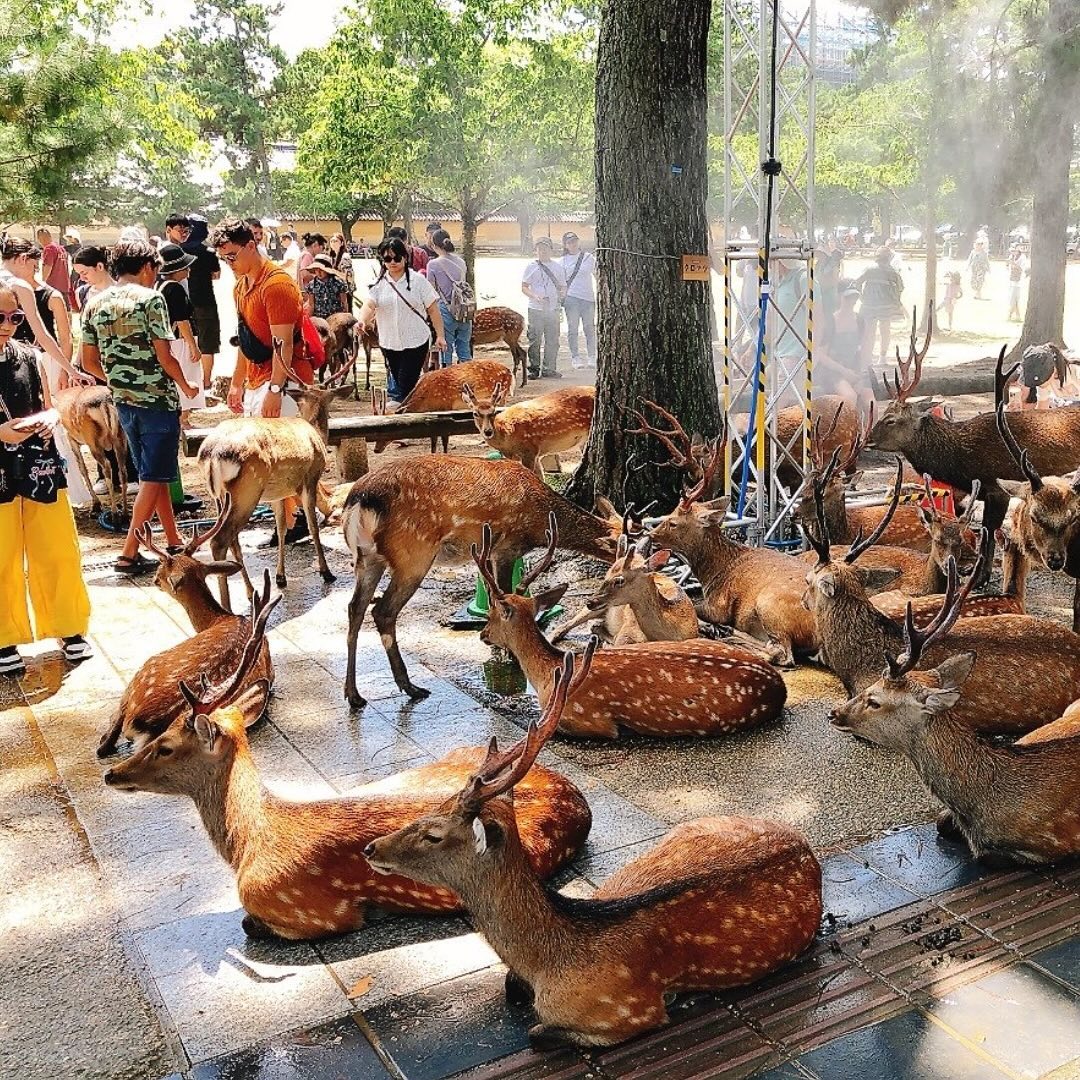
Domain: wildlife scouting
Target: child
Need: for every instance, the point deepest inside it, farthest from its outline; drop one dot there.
(953, 292)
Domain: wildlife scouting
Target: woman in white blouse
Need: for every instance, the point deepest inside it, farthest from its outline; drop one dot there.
(405, 308)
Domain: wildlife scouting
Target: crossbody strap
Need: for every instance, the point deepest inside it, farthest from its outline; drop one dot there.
(390, 281)
(577, 267)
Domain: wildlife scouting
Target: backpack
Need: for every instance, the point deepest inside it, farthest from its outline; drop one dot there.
(462, 301)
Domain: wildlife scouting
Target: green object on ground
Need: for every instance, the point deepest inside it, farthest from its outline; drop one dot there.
(480, 605)
(176, 492)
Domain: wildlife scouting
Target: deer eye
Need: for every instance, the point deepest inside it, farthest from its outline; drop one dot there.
(433, 838)
(164, 751)
(619, 580)
(873, 703)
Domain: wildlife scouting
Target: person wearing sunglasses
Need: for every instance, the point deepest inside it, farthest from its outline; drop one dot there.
(405, 308)
(40, 562)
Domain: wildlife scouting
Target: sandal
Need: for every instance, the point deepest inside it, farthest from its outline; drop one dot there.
(135, 565)
(174, 549)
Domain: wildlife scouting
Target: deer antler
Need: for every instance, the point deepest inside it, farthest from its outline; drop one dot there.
(675, 439)
(822, 542)
(817, 445)
(207, 700)
(860, 545)
(502, 770)
(199, 539)
(546, 559)
(904, 384)
(145, 536)
(713, 456)
(1021, 457)
(1002, 380)
(482, 558)
(969, 510)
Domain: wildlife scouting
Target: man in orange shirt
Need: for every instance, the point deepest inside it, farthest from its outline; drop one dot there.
(268, 306)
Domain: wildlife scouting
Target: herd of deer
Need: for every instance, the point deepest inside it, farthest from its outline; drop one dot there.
(932, 669)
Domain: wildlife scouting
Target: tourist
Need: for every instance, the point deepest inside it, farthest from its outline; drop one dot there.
(430, 229)
(72, 242)
(405, 306)
(1017, 266)
(418, 257)
(177, 229)
(205, 270)
(40, 561)
(55, 265)
(92, 269)
(126, 338)
(953, 292)
(326, 292)
(314, 244)
(979, 263)
(341, 257)
(842, 369)
(290, 256)
(828, 269)
(174, 270)
(544, 283)
(259, 233)
(880, 286)
(579, 266)
(446, 272)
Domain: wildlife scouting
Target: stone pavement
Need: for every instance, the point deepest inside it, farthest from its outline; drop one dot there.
(124, 955)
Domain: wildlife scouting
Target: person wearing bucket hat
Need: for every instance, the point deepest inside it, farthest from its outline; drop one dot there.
(175, 268)
(544, 283)
(580, 303)
(326, 292)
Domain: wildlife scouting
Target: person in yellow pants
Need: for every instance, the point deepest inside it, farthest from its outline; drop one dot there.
(40, 562)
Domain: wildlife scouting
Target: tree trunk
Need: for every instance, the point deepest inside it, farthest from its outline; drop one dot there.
(526, 219)
(406, 214)
(469, 224)
(651, 189)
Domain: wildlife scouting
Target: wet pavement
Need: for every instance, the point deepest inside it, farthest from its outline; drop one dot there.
(124, 954)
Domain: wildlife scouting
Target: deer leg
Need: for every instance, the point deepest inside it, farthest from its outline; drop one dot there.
(369, 572)
(1014, 569)
(108, 742)
(278, 506)
(995, 506)
(518, 991)
(310, 510)
(948, 829)
(542, 1037)
(385, 612)
(120, 454)
(84, 472)
(1076, 607)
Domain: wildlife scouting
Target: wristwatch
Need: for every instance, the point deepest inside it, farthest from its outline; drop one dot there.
(275, 388)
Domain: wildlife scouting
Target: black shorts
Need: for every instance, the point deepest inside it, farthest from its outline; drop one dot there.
(208, 330)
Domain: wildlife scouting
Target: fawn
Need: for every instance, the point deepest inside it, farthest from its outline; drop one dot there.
(662, 688)
(300, 868)
(90, 419)
(152, 700)
(719, 902)
(1014, 802)
(531, 430)
(403, 515)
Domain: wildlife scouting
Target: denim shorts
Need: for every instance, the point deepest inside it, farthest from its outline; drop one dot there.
(153, 437)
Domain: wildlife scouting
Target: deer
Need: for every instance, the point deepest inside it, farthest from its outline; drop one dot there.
(756, 590)
(718, 902)
(300, 867)
(1043, 526)
(90, 419)
(962, 451)
(251, 458)
(635, 602)
(1012, 649)
(660, 688)
(1009, 803)
(443, 390)
(494, 324)
(408, 512)
(152, 700)
(529, 431)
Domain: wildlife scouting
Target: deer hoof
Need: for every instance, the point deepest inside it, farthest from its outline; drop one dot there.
(328, 576)
(106, 748)
(542, 1037)
(518, 991)
(256, 928)
(417, 693)
(947, 828)
(279, 581)
(355, 699)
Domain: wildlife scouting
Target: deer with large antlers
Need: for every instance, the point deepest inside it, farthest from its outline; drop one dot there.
(251, 458)
(719, 902)
(404, 515)
(662, 688)
(1043, 526)
(963, 451)
(1015, 802)
(529, 431)
(1012, 649)
(152, 700)
(300, 866)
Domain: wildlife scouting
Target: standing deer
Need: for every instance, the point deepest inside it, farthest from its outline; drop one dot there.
(251, 458)
(1043, 527)
(443, 390)
(493, 324)
(661, 688)
(1014, 802)
(90, 419)
(300, 866)
(1012, 649)
(152, 700)
(719, 902)
(529, 431)
(405, 514)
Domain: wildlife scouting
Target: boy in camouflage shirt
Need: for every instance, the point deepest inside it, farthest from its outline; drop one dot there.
(126, 335)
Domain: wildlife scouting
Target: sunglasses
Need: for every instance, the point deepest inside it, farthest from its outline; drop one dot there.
(392, 259)
(16, 318)
(231, 257)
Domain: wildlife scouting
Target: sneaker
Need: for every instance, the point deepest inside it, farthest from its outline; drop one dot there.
(551, 375)
(592, 361)
(298, 532)
(100, 488)
(576, 363)
(76, 648)
(11, 663)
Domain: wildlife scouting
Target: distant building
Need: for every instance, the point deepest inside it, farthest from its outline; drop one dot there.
(841, 30)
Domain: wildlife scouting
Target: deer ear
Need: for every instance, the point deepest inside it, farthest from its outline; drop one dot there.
(604, 508)
(658, 560)
(341, 392)
(175, 580)
(206, 731)
(876, 578)
(467, 394)
(926, 517)
(826, 584)
(855, 478)
(487, 835)
(546, 600)
(951, 673)
(252, 702)
(498, 395)
(222, 566)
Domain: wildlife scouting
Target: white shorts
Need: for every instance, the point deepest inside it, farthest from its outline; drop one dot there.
(193, 373)
(253, 402)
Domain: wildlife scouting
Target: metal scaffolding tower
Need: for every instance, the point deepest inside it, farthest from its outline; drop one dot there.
(784, 374)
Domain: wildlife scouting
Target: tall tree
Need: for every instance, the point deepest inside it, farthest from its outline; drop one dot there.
(651, 190)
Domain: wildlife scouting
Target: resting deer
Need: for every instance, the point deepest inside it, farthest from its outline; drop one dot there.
(636, 602)
(756, 590)
(251, 458)
(719, 902)
(300, 868)
(152, 700)
(1015, 802)
(405, 514)
(443, 390)
(529, 431)
(1012, 649)
(90, 419)
(1044, 526)
(660, 688)
(961, 452)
